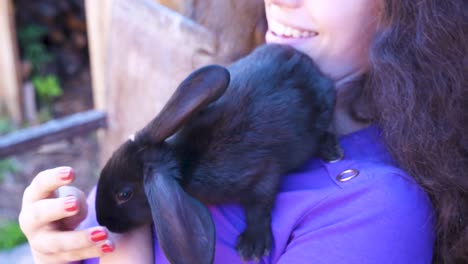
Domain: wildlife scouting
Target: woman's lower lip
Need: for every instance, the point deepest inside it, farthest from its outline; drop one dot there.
(271, 37)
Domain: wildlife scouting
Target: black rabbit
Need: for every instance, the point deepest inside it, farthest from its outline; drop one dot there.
(226, 135)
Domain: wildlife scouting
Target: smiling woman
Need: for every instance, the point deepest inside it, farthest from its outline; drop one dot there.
(285, 34)
(399, 194)
(335, 33)
(413, 56)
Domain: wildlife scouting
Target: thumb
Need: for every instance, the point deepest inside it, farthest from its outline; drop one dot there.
(70, 223)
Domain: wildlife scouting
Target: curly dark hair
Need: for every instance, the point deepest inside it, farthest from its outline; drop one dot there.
(418, 94)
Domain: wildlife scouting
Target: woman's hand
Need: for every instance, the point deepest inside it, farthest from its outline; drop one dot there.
(50, 213)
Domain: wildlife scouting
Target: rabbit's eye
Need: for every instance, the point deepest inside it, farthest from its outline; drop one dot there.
(124, 195)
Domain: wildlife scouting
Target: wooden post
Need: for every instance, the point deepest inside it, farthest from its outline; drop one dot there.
(98, 22)
(10, 81)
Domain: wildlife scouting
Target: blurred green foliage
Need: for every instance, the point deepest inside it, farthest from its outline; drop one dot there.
(11, 235)
(31, 33)
(47, 86)
(30, 38)
(7, 166)
(5, 125)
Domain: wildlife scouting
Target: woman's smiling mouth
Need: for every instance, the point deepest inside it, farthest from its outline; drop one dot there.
(284, 31)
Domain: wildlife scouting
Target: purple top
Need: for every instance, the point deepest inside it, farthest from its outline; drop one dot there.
(379, 216)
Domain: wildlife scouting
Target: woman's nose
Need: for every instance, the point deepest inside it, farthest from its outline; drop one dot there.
(287, 3)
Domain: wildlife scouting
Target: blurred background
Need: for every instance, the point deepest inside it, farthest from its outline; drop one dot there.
(54, 77)
(78, 76)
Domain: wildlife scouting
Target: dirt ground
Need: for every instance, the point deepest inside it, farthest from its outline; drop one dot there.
(80, 153)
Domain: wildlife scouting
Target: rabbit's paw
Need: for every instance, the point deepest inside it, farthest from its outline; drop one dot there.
(331, 150)
(254, 244)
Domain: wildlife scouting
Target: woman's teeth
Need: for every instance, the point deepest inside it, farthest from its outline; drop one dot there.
(289, 32)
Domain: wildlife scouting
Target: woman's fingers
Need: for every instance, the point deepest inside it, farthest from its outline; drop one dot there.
(77, 248)
(94, 251)
(73, 221)
(46, 182)
(46, 211)
(57, 242)
(50, 210)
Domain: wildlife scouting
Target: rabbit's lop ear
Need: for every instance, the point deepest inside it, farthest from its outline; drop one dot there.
(200, 88)
(184, 226)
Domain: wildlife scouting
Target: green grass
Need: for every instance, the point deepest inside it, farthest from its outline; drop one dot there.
(11, 235)
(7, 166)
(5, 125)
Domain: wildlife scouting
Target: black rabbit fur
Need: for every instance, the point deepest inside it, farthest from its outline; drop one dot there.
(226, 135)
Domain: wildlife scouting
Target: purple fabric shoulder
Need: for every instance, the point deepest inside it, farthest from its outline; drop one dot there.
(362, 209)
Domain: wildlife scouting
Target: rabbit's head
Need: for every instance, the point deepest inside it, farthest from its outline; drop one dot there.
(140, 182)
(121, 202)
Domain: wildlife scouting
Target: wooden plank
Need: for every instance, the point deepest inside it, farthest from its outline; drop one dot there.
(98, 22)
(52, 131)
(10, 82)
(239, 25)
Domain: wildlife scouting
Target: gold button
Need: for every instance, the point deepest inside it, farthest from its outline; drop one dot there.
(347, 175)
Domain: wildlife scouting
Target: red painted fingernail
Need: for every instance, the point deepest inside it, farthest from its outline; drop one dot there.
(98, 235)
(106, 248)
(71, 204)
(66, 173)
